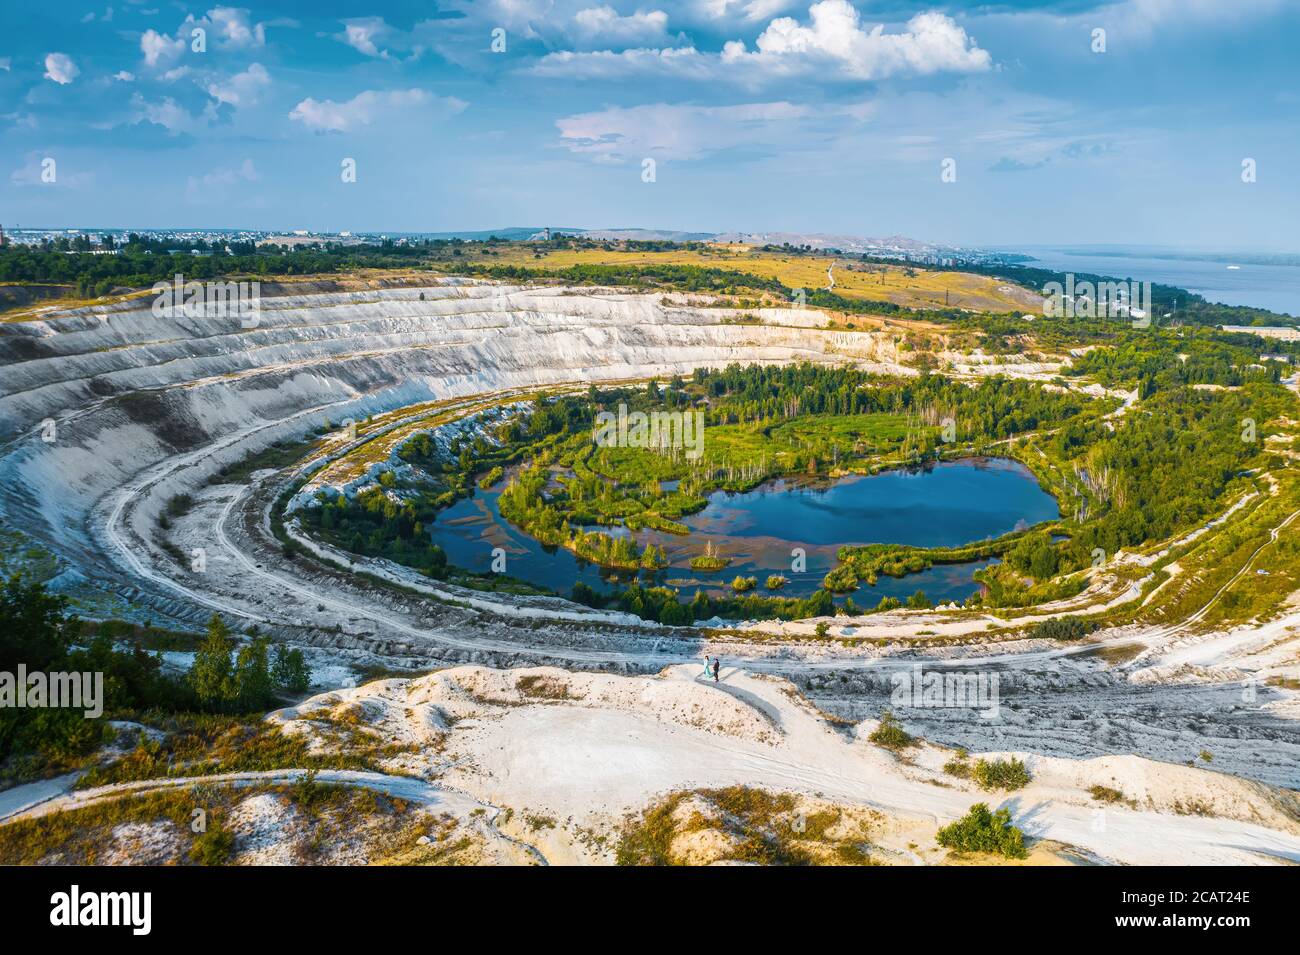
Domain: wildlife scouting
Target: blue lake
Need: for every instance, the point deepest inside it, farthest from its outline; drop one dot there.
(944, 505)
(1274, 287)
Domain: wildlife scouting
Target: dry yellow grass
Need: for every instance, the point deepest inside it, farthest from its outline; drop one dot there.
(911, 287)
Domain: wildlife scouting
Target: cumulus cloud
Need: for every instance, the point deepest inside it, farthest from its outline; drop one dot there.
(234, 28)
(158, 47)
(241, 89)
(60, 68)
(170, 115)
(606, 24)
(369, 107)
(362, 34)
(228, 28)
(930, 43)
(833, 43)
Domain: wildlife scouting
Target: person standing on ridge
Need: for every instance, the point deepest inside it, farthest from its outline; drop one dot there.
(708, 665)
(716, 664)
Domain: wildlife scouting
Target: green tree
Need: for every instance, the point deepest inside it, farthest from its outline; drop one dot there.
(254, 688)
(33, 628)
(291, 670)
(212, 673)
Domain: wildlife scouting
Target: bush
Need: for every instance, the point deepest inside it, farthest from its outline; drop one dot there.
(958, 767)
(1001, 774)
(1063, 628)
(213, 847)
(890, 733)
(983, 831)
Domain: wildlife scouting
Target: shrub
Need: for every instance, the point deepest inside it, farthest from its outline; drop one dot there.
(957, 766)
(890, 733)
(213, 847)
(1001, 774)
(919, 601)
(1063, 628)
(841, 580)
(983, 831)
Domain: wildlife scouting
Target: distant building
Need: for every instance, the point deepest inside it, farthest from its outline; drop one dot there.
(1283, 332)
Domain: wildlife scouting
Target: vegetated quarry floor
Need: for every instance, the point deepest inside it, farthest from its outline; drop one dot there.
(146, 410)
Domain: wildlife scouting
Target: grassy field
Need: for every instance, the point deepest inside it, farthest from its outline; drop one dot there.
(910, 287)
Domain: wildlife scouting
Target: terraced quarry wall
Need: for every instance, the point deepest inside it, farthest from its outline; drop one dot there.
(94, 398)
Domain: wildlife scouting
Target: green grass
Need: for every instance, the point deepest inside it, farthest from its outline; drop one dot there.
(211, 745)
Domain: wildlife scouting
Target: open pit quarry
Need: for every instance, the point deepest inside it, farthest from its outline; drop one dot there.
(107, 413)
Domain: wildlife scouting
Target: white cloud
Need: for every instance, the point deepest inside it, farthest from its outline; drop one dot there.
(157, 47)
(216, 184)
(685, 61)
(757, 10)
(752, 11)
(5, 63)
(517, 16)
(170, 115)
(28, 174)
(834, 44)
(60, 68)
(234, 27)
(241, 89)
(32, 173)
(124, 76)
(666, 131)
(931, 43)
(361, 34)
(228, 27)
(605, 23)
(369, 107)
(1141, 18)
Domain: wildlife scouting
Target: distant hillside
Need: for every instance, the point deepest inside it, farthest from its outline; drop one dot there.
(649, 235)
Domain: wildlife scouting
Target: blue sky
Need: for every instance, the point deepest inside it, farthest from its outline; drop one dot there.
(790, 115)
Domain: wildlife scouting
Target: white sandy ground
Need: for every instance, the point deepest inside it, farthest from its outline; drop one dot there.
(584, 750)
(588, 748)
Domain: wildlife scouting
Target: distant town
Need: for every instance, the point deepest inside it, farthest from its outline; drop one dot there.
(109, 241)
